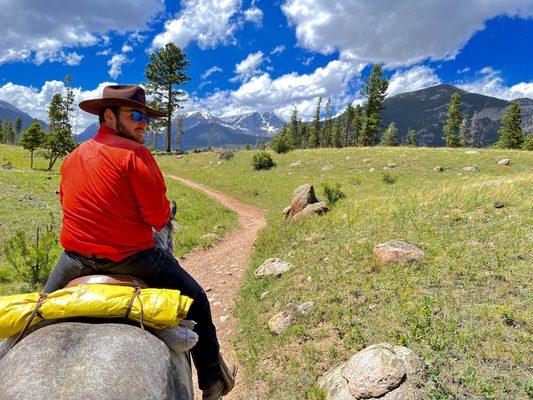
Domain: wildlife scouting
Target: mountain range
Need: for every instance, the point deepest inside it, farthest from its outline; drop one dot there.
(8, 111)
(422, 110)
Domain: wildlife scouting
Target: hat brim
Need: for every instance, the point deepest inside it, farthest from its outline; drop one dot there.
(94, 106)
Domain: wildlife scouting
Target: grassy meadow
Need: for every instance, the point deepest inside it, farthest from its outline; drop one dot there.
(28, 199)
(466, 308)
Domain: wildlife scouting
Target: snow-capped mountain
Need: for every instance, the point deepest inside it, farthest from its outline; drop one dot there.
(258, 124)
(10, 112)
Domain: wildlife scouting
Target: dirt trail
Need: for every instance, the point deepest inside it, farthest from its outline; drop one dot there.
(220, 268)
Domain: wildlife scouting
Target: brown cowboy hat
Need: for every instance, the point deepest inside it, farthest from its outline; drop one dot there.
(120, 95)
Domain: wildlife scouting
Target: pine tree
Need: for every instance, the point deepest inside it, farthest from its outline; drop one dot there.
(327, 128)
(59, 141)
(511, 134)
(411, 138)
(314, 138)
(390, 137)
(347, 126)
(293, 130)
(453, 122)
(357, 125)
(1, 131)
(179, 132)
(9, 132)
(165, 72)
(304, 134)
(337, 134)
(18, 130)
(32, 138)
(476, 131)
(374, 91)
(464, 136)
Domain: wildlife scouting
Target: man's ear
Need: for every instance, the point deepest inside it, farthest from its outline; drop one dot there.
(110, 118)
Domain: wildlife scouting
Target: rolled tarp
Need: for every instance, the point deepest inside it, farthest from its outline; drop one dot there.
(159, 308)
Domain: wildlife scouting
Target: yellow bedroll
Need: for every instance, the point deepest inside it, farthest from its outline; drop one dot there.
(160, 308)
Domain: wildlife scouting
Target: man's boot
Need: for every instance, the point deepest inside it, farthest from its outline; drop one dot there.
(221, 387)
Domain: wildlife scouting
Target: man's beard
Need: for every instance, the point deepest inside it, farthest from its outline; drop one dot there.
(123, 133)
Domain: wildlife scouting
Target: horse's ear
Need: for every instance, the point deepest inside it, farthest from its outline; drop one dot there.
(173, 209)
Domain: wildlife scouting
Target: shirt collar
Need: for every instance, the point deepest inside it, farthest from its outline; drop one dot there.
(106, 130)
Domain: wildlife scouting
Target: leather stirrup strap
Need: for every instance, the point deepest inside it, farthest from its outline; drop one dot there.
(227, 376)
(42, 298)
(136, 294)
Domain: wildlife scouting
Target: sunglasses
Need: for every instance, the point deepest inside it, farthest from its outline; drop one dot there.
(138, 116)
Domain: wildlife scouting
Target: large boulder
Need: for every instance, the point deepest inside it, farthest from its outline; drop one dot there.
(272, 266)
(312, 209)
(74, 360)
(380, 371)
(303, 196)
(397, 251)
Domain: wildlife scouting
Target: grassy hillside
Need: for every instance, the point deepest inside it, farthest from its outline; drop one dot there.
(28, 199)
(465, 308)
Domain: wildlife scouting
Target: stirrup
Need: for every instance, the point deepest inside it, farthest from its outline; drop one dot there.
(228, 376)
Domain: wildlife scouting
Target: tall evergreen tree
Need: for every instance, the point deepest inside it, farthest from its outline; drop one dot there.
(179, 132)
(1, 131)
(347, 125)
(9, 132)
(18, 130)
(390, 137)
(475, 134)
(453, 122)
(165, 72)
(157, 125)
(59, 141)
(374, 91)
(314, 138)
(304, 134)
(357, 125)
(511, 134)
(293, 130)
(411, 138)
(464, 138)
(32, 138)
(327, 129)
(337, 133)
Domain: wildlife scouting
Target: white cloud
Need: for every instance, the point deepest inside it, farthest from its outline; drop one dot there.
(308, 61)
(281, 94)
(209, 22)
(116, 65)
(249, 66)
(35, 101)
(211, 71)
(254, 15)
(491, 83)
(40, 31)
(277, 50)
(415, 78)
(105, 52)
(396, 33)
(462, 71)
(126, 48)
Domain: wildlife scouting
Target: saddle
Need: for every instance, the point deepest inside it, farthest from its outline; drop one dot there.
(117, 279)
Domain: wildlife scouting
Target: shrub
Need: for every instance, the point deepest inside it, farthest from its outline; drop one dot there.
(262, 160)
(333, 193)
(389, 178)
(226, 154)
(280, 144)
(528, 143)
(32, 257)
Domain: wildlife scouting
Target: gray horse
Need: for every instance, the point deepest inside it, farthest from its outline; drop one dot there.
(83, 360)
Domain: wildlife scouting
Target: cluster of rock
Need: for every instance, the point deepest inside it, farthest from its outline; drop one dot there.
(304, 203)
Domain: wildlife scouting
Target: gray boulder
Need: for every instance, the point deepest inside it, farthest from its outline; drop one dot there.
(282, 321)
(74, 360)
(272, 266)
(380, 371)
(470, 169)
(397, 251)
(301, 198)
(504, 161)
(312, 209)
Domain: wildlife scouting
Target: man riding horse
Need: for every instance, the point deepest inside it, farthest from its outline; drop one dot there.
(112, 194)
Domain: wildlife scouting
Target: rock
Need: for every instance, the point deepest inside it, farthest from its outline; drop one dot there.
(179, 156)
(223, 318)
(438, 168)
(312, 209)
(380, 371)
(498, 204)
(391, 165)
(303, 196)
(264, 295)
(371, 169)
(295, 164)
(314, 237)
(471, 152)
(209, 236)
(348, 158)
(367, 160)
(306, 308)
(208, 289)
(397, 251)
(286, 211)
(504, 161)
(280, 322)
(470, 169)
(272, 266)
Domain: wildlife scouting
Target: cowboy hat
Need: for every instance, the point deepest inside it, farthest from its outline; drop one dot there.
(120, 95)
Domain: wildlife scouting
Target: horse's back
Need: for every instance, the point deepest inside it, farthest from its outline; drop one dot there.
(74, 360)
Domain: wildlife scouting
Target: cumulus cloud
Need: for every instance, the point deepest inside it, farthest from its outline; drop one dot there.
(40, 31)
(278, 50)
(397, 33)
(415, 78)
(211, 71)
(254, 15)
(249, 66)
(491, 83)
(35, 101)
(126, 48)
(115, 64)
(281, 94)
(463, 70)
(209, 22)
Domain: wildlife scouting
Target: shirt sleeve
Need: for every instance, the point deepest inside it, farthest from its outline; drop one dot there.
(149, 188)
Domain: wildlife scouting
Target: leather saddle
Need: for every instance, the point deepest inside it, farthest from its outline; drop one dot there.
(118, 280)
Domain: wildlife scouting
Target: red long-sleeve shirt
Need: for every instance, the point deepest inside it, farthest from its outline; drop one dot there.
(112, 193)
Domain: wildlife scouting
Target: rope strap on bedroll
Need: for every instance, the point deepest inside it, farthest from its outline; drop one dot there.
(42, 298)
(136, 294)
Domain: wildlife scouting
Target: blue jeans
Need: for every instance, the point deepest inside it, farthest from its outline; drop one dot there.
(159, 269)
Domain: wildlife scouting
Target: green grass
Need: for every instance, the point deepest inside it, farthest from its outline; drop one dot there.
(465, 308)
(28, 199)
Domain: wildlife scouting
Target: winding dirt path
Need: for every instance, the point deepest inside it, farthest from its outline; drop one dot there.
(220, 269)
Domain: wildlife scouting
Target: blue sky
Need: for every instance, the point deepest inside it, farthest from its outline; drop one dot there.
(266, 55)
